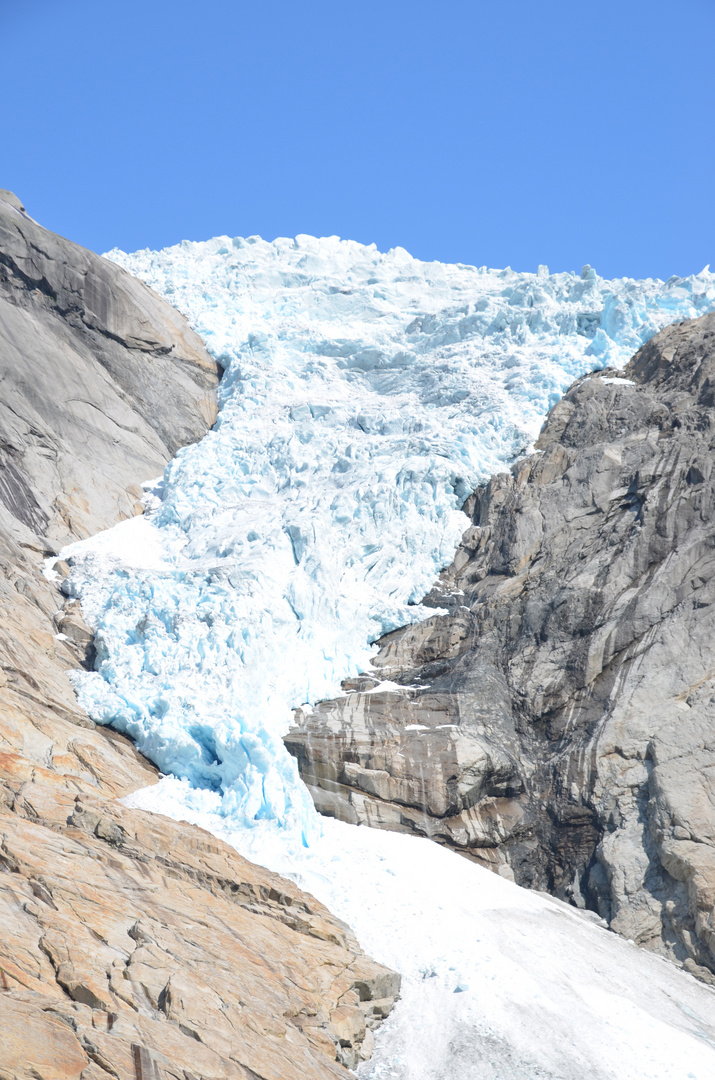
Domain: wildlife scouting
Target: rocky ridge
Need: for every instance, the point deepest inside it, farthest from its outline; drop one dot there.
(138, 947)
(132, 946)
(555, 719)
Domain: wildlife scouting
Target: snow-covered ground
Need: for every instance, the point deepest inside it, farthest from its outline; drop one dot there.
(364, 397)
(499, 983)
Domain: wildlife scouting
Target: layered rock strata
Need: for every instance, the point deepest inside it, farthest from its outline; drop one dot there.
(555, 718)
(132, 946)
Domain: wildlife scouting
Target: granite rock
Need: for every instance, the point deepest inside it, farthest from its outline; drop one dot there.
(142, 947)
(555, 718)
(102, 381)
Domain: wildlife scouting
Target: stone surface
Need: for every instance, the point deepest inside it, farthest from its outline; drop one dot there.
(141, 947)
(130, 946)
(75, 330)
(558, 723)
(101, 381)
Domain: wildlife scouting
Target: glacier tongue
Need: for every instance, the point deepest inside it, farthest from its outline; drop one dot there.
(365, 395)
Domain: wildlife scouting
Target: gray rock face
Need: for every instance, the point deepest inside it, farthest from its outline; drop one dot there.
(101, 382)
(558, 724)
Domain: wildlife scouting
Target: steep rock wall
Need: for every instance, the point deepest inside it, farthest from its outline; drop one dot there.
(101, 382)
(558, 723)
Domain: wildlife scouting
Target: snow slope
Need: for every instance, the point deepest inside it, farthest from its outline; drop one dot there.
(365, 395)
(499, 983)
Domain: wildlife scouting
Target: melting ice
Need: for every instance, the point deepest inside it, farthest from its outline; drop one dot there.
(364, 397)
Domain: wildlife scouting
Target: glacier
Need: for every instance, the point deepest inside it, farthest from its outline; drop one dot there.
(365, 395)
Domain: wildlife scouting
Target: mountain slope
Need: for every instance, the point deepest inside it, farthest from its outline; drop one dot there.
(559, 723)
(363, 394)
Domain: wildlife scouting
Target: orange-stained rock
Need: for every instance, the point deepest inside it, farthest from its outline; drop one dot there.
(145, 932)
(35, 1042)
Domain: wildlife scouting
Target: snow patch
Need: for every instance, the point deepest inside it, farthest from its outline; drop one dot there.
(499, 983)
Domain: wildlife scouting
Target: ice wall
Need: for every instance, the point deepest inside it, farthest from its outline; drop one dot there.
(365, 395)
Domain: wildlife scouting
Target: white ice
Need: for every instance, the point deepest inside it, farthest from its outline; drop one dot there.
(365, 395)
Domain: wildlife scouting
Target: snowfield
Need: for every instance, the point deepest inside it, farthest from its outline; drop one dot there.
(365, 396)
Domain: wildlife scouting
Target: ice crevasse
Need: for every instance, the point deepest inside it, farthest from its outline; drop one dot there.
(364, 397)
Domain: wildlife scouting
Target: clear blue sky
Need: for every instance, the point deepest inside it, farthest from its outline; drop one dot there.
(506, 133)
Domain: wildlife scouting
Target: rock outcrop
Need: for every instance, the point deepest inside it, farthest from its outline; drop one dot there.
(131, 946)
(558, 721)
(137, 947)
(102, 382)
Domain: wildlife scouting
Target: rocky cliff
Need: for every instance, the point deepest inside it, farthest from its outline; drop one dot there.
(555, 719)
(132, 946)
(102, 382)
